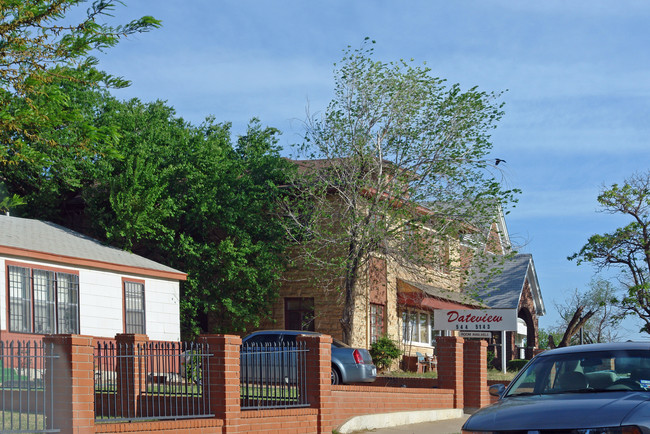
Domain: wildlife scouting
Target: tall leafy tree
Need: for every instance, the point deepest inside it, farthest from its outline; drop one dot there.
(626, 249)
(39, 46)
(50, 184)
(189, 197)
(393, 139)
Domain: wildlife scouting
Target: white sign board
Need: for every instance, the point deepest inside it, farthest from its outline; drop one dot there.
(482, 320)
(481, 335)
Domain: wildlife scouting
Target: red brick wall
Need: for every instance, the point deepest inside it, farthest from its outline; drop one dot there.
(450, 366)
(410, 382)
(331, 405)
(352, 401)
(290, 421)
(475, 393)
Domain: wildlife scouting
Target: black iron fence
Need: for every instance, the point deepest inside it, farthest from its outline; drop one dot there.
(26, 401)
(152, 380)
(273, 375)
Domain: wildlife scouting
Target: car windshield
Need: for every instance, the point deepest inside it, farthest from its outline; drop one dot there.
(584, 372)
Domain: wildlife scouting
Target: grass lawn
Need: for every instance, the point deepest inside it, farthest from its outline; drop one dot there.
(492, 374)
(21, 421)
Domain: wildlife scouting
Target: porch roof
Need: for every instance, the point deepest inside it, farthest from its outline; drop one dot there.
(504, 290)
(422, 296)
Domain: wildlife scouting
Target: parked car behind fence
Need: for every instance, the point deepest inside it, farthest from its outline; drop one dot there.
(349, 365)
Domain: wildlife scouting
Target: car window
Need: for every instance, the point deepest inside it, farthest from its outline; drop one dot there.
(338, 344)
(584, 372)
(288, 339)
(263, 339)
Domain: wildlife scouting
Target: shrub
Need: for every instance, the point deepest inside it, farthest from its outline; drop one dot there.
(384, 352)
(490, 359)
(516, 364)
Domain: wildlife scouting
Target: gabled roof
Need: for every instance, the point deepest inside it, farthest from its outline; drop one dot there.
(35, 239)
(504, 290)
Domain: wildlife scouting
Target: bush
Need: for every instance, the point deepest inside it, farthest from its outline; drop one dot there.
(516, 364)
(490, 359)
(384, 352)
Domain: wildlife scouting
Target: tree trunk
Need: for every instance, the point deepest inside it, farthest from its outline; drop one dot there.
(574, 325)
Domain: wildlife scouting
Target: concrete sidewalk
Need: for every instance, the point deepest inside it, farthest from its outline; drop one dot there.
(448, 426)
(441, 421)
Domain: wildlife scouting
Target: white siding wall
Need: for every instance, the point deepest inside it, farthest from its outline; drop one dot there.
(3, 295)
(100, 299)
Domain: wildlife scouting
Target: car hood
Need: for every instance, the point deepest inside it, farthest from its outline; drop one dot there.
(563, 411)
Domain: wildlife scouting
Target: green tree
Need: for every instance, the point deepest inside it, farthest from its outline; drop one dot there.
(548, 338)
(188, 197)
(50, 183)
(40, 46)
(626, 249)
(392, 139)
(594, 312)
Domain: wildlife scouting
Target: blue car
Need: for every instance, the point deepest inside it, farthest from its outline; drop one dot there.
(349, 365)
(586, 389)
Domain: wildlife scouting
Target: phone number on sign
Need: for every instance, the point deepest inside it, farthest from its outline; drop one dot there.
(473, 327)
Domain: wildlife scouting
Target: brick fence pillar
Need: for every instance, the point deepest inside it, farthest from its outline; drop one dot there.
(450, 366)
(475, 377)
(71, 376)
(319, 378)
(130, 373)
(225, 401)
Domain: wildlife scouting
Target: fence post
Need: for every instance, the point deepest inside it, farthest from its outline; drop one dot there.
(130, 373)
(225, 400)
(71, 376)
(450, 366)
(475, 377)
(319, 378)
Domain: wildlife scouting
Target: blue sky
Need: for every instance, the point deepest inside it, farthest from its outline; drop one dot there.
(575, 77)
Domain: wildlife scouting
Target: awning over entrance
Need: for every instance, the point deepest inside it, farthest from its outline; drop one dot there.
(428, 297)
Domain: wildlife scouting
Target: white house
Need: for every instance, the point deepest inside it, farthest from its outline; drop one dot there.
(55, 280)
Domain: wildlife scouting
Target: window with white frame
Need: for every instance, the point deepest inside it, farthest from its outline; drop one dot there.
(417, 327)
(376, 322)
(42, 301)
(134, 313)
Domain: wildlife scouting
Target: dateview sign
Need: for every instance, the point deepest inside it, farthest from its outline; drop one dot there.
(475, 319)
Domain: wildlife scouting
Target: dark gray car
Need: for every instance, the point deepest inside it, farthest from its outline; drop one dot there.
(598, 388)
(349, 365)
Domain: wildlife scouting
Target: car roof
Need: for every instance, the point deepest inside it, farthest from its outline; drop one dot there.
(612, 346)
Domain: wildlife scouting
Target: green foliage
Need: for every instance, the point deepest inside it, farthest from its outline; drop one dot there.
(600, 302)
(384, 352)
(179, 194)
(191, 367)
(515, 365)
(188, 197)
(393, 139)
(626, 249)
(543, 336)
(41, 47)
(490, 358)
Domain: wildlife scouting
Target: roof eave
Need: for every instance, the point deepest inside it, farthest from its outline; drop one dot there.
(91, 263)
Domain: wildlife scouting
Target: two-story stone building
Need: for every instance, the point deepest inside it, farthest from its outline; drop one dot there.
(399, 301)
